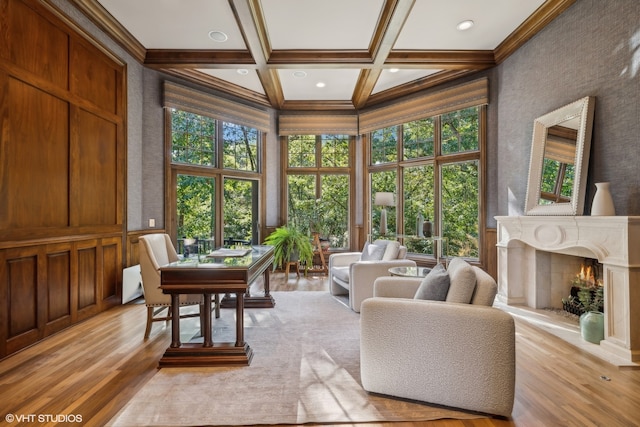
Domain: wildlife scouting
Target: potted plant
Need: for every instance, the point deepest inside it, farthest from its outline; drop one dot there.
(289, 245)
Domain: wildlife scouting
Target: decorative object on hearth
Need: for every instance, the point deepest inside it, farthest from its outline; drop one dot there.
(383, 199)
(592, 326)
(602, 201)
(592, 320)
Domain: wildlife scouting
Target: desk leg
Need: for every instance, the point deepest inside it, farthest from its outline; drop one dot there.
(266, 282)
(240, 319)
(175, 321)
(206, 318)
(208, 354)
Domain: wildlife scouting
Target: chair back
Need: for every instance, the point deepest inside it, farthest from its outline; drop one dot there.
(393, 249)
(156, 250)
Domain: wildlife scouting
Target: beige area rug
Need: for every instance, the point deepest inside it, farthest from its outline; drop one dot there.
(305, 369)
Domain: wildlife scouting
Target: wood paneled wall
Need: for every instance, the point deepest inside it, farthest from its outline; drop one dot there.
(62, 175)
(490, 263)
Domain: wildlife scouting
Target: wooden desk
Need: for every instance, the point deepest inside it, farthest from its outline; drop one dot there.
(208, 276)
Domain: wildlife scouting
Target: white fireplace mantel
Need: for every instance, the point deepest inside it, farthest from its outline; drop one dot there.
(614, 241)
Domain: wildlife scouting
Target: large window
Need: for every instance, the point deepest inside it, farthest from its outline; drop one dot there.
(318, 185)
(432, 165)
(215, 169)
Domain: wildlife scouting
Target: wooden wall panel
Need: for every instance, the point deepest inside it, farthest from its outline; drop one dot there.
(22, 298)
(491, 251)
(87, 277)
(23, 294)
(94, 149)
(34, 161)
(58, 261)
(36, 45)
(92, 78)
(112, 265)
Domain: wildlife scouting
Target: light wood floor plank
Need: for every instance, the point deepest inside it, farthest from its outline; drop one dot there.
(94, 368)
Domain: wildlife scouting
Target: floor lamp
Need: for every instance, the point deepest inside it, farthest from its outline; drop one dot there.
(383, 199)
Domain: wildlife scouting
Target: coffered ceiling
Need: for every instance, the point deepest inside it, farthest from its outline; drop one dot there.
(362, 52)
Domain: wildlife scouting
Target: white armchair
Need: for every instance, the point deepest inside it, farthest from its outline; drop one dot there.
(446, 353)
(353, 273)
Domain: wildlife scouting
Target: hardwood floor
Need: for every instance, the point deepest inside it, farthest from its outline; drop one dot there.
(92, 369)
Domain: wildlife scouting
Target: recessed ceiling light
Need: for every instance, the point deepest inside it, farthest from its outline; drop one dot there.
(394, 70)
(299, 74)
(218, 36)
(243, 71)
(465, 25)
(320, 84)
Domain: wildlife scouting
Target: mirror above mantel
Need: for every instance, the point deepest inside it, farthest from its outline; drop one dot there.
(560, 159)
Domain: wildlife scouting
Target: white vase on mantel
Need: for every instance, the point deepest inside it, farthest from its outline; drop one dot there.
(602, 201)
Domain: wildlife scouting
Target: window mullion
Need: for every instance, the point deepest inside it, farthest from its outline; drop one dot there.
(219, 145)
(400, 143)
(400, 200)
(437, 174)
(318, 166)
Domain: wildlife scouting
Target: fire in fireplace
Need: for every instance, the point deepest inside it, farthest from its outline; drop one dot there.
(587, 292)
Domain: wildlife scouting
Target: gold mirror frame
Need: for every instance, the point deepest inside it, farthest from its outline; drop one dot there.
(579, 112)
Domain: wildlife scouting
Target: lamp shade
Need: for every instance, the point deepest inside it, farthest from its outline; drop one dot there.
(383, 199)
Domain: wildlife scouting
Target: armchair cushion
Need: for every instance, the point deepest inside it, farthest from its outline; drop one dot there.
(463, 281)
(341, 273)
(435, 285)
(391, 251)
(371, 252)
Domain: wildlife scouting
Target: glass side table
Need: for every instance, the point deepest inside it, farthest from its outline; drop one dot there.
(409, 271)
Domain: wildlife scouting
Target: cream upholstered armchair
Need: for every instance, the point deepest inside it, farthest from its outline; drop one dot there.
(458, 351)
(157, 250)
(353, 273)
